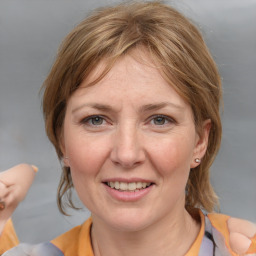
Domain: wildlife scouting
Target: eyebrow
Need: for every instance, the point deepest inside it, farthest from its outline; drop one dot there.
(144, 108)
(157, 106)
(98, 106)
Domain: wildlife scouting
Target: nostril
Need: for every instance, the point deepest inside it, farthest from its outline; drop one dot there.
(127, 152)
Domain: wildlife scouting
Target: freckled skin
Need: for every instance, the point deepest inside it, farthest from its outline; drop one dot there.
(131, 142)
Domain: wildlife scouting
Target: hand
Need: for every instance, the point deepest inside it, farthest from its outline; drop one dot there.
(14, 185)
(241, 233)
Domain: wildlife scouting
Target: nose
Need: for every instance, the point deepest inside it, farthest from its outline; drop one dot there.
(127, 148)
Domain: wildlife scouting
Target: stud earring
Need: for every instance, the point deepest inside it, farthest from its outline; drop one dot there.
(198, 161)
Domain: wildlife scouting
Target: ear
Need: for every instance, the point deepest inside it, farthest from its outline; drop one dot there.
(64, 160)
(201, 143)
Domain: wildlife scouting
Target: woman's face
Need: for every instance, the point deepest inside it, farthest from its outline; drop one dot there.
(130, 141)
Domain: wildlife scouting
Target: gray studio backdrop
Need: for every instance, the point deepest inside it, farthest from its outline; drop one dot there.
(30, 33)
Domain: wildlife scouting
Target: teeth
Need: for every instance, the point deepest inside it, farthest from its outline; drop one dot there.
(117, 185)
(138, 185)
(132, 186)
(144, 184)
(123, 186)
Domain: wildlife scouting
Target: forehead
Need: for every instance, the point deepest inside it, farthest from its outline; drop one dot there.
(134, 74)
(108, 66)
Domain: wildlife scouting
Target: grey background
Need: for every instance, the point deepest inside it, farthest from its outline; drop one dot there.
(30, 33)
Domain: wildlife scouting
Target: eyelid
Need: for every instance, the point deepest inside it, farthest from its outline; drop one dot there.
(86, 120)
(163, 116)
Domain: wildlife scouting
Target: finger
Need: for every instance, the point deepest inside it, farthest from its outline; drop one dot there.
(8, 204)
(243, 227)
(239, 243)
(4, 190)
(35, 168)
(9, 199)
(14, 175)
(3, 194)
(2, 205)
(2, 185)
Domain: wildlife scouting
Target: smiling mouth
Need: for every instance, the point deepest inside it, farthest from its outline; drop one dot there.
(128, 186)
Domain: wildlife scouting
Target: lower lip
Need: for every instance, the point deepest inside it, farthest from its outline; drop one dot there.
(126, 196)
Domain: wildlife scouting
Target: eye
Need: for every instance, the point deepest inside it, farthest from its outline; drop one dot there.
(161, 120)
(97, 120)
(94, 120)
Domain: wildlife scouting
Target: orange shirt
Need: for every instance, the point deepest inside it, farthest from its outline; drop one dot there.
(213, 237)
(68, 245)
(214, 224)
(8, 238)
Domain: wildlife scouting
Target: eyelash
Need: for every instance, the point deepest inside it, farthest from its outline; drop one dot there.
(89, 120)
(164, 117)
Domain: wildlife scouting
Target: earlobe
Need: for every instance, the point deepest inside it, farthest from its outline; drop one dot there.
(65, 161)
(201, 144)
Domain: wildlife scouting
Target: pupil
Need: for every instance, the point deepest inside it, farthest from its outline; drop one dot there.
(97, 120)
(159, 120)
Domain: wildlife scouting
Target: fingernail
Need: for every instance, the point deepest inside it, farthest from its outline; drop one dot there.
(34, 168)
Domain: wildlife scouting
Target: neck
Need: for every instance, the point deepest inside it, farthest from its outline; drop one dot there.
(169, 236)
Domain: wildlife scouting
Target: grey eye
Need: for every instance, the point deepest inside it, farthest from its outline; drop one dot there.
(159, 120)
(97, 120)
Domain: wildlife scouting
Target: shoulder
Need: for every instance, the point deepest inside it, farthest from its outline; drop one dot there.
(237, 236)
(77, 240)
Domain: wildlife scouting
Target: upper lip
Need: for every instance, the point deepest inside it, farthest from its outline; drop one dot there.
(127, 180)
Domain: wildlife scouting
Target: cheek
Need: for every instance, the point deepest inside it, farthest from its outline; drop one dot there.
(86, 156)
(173, 156)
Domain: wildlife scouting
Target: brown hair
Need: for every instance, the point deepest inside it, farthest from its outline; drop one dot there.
(177, 47)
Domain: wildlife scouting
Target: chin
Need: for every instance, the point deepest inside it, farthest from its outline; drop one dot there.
(129, 221)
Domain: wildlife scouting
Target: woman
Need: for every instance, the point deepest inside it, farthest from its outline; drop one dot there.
(132, 107)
